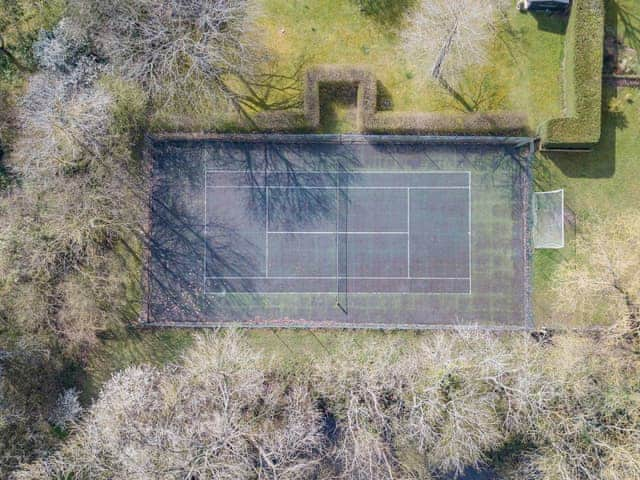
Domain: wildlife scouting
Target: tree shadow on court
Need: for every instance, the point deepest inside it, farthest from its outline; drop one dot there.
(187, 261)
(180, 254)
(307, 177)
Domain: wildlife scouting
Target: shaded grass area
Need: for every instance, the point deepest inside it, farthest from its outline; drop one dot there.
(521, 74)
(292, 347)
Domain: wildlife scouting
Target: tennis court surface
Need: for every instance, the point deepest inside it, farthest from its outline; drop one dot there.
(350, 231)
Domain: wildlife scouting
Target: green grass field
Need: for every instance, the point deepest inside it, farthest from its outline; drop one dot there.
(522, 73)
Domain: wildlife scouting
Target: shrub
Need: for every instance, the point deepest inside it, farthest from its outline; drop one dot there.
(380, 408)
(371, 121)
(349, 74)
(580, 127)
(78, 196)
(500, 123)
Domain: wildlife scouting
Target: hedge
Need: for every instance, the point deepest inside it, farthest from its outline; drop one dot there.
(350, 74)
(582, 85)
(371, 121)
(503, 123)
(281, 121)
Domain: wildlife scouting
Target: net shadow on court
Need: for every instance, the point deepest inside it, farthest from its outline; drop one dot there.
(319, 231)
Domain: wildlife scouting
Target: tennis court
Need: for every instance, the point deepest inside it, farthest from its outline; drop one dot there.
(338, 231)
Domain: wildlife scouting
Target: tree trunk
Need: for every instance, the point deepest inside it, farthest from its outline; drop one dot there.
(436, 71)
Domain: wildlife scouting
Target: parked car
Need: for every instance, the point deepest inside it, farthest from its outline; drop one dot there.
(543, 5)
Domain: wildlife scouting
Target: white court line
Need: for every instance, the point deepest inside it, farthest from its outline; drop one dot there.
(324, 277)
(284, 232)
(334, 187)
(334, 293)
(408, 233)
(204, 253)
(469, 203)
(267, 187)
(348, 172)
(266, 234)
(337, 187)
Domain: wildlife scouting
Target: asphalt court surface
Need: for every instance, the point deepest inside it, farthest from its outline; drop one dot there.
(314, 230)
(380, 232)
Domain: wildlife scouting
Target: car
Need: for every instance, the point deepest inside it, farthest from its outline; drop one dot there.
(543, 5)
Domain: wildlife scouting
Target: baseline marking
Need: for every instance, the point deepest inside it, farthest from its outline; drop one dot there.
(287, 232)
(266, 234)
(311, 187)
(346, 172)
(469, 203)
(408, 233)
(324, 277)
(204, 253)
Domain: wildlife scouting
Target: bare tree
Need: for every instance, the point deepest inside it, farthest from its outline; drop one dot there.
(214, 417)
(172, 45)
(448, 36)
(433, 406)
(75, 200)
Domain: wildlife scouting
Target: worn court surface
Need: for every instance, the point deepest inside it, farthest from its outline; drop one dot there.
(338, 231)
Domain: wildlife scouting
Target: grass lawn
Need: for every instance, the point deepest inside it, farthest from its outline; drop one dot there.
(522, 74)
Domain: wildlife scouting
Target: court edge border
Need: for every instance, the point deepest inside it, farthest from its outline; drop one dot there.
(337, 325)
(516, 142)
(340, 138)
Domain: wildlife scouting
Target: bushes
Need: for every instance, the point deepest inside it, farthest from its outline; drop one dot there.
(505, 123)
(384, 408)
(175, 49)
(350, 74)
(582, 80)
(76, 199)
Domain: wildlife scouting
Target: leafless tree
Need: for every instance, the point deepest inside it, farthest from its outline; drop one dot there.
(172, 45)
(433, 406)
(76, 198)
(448, 36)
(214, 417)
